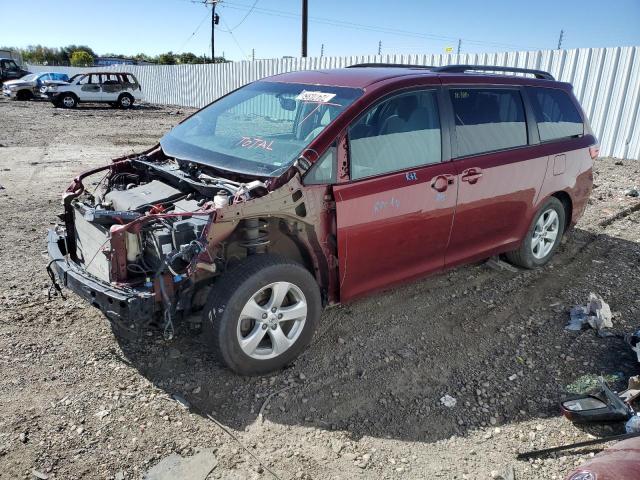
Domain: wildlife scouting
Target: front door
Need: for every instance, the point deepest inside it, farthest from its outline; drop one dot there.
(394, 216)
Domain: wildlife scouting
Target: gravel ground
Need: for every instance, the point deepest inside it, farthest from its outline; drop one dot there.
(362, 402)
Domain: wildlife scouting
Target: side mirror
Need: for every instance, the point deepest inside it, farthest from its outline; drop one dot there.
(591, 409)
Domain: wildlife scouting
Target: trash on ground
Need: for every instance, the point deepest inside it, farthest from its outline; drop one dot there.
(596, 314)
(633, 339)
(605, 406)
(448, 401)
(633, 424)
(196, 467)
(181, 401)
(632, 192)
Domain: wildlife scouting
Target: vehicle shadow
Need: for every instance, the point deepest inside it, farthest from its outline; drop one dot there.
(85, 106)
(492, 339)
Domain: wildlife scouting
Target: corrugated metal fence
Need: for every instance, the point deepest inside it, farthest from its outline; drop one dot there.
(605, 80)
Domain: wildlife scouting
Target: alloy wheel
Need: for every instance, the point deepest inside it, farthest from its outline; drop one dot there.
(272, 320)
(545, 233)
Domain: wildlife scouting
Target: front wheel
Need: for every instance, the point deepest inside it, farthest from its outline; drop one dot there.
(543, 237)
(68, 100)
(262, 314)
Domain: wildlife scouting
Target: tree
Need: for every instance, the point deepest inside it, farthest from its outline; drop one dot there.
(167, 58)
(187, 57)
(80, 58)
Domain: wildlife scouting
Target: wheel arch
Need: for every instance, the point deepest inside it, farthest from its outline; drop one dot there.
(567, 203)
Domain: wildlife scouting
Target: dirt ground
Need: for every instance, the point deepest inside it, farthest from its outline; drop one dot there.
(362, 402)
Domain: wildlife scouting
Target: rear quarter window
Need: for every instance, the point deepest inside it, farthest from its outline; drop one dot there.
(555, 113)
(487, 120)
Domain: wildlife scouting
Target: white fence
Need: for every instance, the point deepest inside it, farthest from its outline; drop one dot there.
(605, 80)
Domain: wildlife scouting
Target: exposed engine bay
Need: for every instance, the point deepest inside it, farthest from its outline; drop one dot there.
(169, 228)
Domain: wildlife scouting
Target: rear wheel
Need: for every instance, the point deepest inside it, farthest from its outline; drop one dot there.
(125, 100)
(262, 314)
(543, 237)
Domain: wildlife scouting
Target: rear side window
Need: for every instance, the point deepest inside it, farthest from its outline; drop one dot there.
(399, 133)
(488, 120)
(555, 113)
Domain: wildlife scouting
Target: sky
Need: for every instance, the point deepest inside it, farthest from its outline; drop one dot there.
(272, 28)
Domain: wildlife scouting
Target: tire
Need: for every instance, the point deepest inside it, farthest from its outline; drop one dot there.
(244, 293)
(68, 100)
(125, 101)
(536, 249)
(23, 95)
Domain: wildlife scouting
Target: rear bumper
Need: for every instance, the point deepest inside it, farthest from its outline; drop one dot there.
(129, 308)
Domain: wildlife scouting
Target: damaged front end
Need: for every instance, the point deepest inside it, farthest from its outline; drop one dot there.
(146, 242)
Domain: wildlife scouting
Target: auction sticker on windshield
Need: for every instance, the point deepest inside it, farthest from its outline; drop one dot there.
(317, 97)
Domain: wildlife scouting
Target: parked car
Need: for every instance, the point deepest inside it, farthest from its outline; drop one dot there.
(28, 87)
(621, 461)
(311, 188)
(9, 70)
(118, 89)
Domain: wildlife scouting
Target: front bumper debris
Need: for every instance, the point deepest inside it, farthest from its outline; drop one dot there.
(128, 308)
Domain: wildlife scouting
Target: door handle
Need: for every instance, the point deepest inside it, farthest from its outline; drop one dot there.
(471, 175)
(440, 182)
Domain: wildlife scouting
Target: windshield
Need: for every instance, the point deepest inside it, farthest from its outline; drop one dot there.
(29, 78)
(259, 129)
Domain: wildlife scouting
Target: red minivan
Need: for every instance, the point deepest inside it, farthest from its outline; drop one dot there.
(311, 188)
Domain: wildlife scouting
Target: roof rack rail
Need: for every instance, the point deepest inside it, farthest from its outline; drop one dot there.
(388, 65)
(492, 68)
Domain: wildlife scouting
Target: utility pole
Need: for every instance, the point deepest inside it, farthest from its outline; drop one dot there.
(305, 24)
(215, 19)
(380, 47)
(253, 54)
(560, 39)
(459, 45)
(322, 50)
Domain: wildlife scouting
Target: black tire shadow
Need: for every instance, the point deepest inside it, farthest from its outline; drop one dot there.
(379, 366)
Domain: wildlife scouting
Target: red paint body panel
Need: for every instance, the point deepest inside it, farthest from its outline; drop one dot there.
(494, 212)
(418, 236)
(391, 229)
(618, 462)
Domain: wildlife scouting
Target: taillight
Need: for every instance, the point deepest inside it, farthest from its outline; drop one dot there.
(594, 151)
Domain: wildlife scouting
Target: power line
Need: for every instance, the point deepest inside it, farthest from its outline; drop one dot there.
(194, 32)
(359, 26)
(244, 55)
(243, 18)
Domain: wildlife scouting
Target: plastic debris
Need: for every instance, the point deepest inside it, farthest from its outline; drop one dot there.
(633, 339)
(448, 401)
(596, 314)
(632, 192)
(633, 424)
